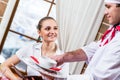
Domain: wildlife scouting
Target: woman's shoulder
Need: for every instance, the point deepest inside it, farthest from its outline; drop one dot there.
(32, 45)
(27, 48)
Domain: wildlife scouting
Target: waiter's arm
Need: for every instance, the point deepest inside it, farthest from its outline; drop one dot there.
(76, 55)
(71, 56)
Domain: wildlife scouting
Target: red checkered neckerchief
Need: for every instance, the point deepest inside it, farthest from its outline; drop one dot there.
(105, 39)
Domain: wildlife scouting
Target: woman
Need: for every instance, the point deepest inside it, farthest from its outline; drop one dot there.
(48, 31)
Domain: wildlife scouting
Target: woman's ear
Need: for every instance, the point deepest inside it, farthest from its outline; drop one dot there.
(39, 32)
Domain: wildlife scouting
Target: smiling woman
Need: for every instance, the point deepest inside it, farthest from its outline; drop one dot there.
(22, 30)
(48, 30)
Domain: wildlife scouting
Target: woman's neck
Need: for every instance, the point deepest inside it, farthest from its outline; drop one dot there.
(48, 49)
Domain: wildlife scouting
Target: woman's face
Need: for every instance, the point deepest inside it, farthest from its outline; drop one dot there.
(112, 13)
(49, 30)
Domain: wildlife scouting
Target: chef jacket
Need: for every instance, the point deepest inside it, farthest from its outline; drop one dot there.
(103, 61)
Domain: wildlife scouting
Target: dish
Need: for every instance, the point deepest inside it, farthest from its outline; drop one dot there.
(44, 61)
(42, 70)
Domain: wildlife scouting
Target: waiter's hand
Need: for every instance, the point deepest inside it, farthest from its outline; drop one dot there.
(58, 58)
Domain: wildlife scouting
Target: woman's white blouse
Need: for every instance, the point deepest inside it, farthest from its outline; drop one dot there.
(29, 50)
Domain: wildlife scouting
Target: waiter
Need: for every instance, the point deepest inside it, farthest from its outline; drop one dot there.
(103, 57)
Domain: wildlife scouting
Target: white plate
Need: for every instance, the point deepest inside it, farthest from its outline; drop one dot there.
(39, 65)
(40, 69)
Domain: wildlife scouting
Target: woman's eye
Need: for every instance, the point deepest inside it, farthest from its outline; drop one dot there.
(48, 28)
(55, 28)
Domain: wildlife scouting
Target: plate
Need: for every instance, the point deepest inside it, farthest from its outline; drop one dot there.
(52, 69)
(42, 70)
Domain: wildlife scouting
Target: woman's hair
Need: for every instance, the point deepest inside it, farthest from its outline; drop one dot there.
(42, 20)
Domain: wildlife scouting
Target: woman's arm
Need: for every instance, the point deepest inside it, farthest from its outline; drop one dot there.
(5, 67)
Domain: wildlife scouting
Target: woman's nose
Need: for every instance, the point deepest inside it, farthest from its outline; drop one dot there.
(52, 31)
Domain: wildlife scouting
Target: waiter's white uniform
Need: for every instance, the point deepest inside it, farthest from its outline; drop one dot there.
(103, 62)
